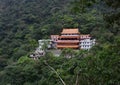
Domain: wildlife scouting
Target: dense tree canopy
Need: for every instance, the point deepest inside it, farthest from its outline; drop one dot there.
(24, 22)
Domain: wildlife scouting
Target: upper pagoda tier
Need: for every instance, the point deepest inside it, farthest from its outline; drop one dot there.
(70, 37)
(72, 31)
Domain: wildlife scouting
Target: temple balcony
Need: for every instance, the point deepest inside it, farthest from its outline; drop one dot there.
(68, 41)
(70, 36)
(68, 46)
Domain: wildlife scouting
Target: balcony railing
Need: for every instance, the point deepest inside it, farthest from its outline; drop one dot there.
(70, 36)
(68, 41)
(67, 46)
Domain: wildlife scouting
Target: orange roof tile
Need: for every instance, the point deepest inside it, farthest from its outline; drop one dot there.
(70, 31)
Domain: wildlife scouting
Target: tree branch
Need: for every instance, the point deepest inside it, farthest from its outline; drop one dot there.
(55, 72)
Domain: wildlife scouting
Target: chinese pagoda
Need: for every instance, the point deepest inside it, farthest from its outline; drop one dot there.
(71, 38)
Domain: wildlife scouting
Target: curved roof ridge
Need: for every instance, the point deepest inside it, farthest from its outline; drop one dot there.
(70, 31)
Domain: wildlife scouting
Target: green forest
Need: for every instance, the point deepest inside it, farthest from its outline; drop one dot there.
(24, 22)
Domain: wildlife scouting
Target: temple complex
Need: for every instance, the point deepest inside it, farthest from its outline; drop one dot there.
(71, 38)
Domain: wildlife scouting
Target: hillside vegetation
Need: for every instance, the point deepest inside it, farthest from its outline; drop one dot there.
(24, 22)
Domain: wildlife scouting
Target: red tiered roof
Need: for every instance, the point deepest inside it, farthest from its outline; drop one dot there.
(70, 31)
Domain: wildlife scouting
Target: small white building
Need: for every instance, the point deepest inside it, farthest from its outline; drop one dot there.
(87, 43)
(46, 42)
(40, 51)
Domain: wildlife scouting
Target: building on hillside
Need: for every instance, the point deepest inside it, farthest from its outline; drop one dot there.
(45, 43)
(71, 38)
(54, 39)
(40, 51)
(86, 42)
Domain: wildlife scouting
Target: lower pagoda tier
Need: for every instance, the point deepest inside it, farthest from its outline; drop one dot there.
(68, 46)
(67, 41)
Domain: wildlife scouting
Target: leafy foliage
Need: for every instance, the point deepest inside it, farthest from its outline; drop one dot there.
(102, 68)
(23, 22)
